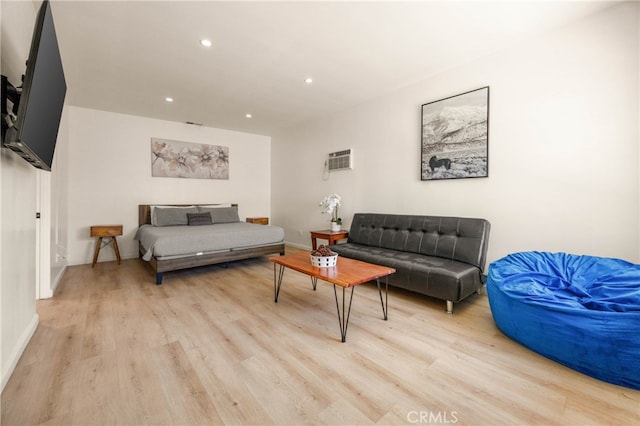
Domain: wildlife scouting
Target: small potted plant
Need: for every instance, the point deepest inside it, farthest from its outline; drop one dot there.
(329, 205)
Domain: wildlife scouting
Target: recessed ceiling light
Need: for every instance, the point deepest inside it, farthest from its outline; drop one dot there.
(205, 42)
(308, 80)
(248, 115)
(168, 99)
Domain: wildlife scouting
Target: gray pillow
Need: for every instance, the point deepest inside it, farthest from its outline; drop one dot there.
(196, 219)
(221, 214)
(172, 216)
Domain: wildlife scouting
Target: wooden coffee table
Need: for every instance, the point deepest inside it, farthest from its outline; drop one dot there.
(347, 273)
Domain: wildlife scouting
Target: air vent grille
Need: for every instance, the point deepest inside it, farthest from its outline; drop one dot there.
(340, 160)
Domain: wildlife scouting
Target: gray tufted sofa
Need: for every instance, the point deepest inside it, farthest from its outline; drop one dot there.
(441, 257)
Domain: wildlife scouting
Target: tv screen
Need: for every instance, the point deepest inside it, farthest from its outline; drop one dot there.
(34, 133)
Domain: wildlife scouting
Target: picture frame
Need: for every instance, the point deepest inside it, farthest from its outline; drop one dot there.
(455, 137)
(177, 159)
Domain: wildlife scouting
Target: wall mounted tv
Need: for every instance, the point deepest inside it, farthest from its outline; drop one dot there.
(31, 127)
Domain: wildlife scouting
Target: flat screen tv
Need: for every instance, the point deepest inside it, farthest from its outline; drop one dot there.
(34, 131)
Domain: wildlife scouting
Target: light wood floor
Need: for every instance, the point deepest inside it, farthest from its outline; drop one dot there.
(209, 346)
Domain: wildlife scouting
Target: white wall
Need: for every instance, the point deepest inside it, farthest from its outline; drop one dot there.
(18, 318)
(109, 175)
(18, 274)
(563, 148)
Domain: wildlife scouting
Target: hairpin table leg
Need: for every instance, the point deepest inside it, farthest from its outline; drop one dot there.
(343, 316)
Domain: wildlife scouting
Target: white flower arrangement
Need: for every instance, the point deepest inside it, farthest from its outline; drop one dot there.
(329, 205)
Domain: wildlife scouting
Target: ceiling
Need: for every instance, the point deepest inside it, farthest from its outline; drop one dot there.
(127, 57)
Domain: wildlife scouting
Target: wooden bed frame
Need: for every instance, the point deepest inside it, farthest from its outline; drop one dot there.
(161, 266)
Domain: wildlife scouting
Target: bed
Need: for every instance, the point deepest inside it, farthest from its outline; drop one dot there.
(180, 236)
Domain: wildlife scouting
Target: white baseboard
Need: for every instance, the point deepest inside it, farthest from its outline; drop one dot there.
(300, 246)
(56, 279)
(26, 336)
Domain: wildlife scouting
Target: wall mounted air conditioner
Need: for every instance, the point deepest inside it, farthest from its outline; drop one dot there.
(340, 160)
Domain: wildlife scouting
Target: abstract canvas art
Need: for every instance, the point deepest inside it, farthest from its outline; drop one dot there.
(188, 160)
(455, 136)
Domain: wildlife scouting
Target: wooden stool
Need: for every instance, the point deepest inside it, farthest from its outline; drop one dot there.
(105, 231)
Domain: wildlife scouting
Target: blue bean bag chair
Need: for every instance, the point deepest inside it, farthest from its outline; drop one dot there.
(581, 311)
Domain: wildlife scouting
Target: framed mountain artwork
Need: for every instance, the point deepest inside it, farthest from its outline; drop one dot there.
(455, 137)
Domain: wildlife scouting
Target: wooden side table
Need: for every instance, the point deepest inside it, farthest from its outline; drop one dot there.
(258, 220)
(329, 235)
(106, 231)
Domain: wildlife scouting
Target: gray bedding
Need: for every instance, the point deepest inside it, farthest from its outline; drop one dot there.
(176, 241)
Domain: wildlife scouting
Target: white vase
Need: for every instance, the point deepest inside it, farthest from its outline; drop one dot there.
(335, 227)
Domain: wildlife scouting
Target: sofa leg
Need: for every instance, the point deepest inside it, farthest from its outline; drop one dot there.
(449, 306)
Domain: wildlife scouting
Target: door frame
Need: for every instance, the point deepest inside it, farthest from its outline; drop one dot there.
(43, 236)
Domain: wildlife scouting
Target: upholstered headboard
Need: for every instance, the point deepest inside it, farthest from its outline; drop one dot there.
(144, 210)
